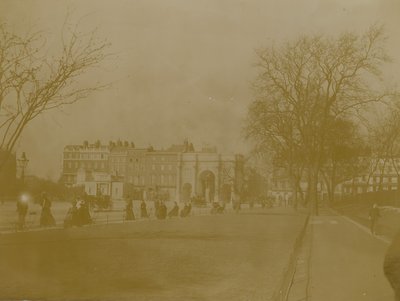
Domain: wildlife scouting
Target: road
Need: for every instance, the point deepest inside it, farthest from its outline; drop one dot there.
(225, 257)
(346, 261)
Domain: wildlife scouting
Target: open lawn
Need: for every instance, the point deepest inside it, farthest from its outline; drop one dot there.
(225, 257)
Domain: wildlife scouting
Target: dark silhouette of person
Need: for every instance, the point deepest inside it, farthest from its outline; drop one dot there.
(83, 213)
(391, 265)
(46, 218)
(22, 209)
(129, 215)
(186, 210)
(143, 210)
(162, 211)
(374, 215)
(174, 211)
(72, 217)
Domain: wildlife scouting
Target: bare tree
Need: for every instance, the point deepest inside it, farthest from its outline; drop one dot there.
(346, 155)
(384, 138)
(317, 79)
(271, 126)
(33, 81)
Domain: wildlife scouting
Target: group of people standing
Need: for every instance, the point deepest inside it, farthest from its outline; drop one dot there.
(78, 214)
(46, 217)
(160, 210)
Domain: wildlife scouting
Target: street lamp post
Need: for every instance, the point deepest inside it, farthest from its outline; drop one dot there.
(23, 162)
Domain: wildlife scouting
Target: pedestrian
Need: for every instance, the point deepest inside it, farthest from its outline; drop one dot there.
(162, 211)
(83, 213)
(22, 209)
(129, 215)
(391, 265)
(236, 202)
(46, 218)
(374, 215)
(185, 210)
(143, 210)
(72, 218)
(174, 211)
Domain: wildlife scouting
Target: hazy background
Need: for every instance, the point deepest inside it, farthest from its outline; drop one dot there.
(181, 68)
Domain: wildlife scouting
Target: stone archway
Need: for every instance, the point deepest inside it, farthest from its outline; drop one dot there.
(186, 192)
(206, 185)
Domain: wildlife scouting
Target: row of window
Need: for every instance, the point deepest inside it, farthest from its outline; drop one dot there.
(141, 167)
(69, 179)
(164, 158)
(86, 156)
(86, 165)
(377, 179)
(360, 189)
(136, 159)
(164, 180)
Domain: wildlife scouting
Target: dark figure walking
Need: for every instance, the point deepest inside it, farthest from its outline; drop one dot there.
(129, 215)
(72, 218)
(161, 211)
(391, 266)
(143, 210)
(374, 215)
(22, 209)
(46, 218)
(83, 213)
(174, 211)
(186, 210)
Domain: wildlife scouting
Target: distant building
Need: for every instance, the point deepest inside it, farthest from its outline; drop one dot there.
(178, 173)
(100, 184)
(89, 157)
(210, 175)
(281, 186)
(379, 175)
(383, 175)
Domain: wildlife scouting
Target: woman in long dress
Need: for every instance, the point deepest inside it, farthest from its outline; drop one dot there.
(46, 218)
(129, 215)
(143, 210)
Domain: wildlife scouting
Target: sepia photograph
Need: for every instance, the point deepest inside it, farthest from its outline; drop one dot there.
(213, 150)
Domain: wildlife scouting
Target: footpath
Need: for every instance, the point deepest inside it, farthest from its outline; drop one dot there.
(340, 260)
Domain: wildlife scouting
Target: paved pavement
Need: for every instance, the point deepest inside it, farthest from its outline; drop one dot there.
(219, 257)
(346, 261)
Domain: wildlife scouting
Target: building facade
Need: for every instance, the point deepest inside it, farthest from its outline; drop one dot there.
(178, 173)
(209, 175)
(87, 157)
(383, 175)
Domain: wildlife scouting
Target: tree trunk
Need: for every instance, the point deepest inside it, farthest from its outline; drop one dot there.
(294, 193)
(313, 191)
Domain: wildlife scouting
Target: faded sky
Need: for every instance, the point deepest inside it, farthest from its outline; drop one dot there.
(183, 67)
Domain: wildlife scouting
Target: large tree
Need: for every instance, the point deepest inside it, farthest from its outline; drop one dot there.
(35, 78)
(384, 137)
(312, 81)
(346, 155)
